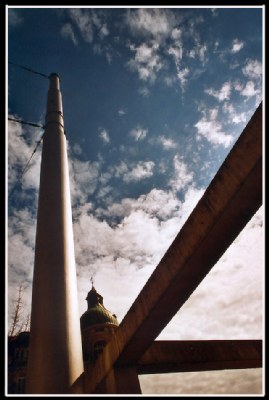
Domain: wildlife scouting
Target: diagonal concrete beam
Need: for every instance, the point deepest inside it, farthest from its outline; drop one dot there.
(202, 355)
(231, 199)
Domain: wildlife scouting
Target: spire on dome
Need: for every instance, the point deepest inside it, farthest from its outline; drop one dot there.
(93, 298)
(96, 313)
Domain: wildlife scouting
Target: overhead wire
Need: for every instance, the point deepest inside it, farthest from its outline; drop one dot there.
(25, 168)
(26, 123)
(29, 69)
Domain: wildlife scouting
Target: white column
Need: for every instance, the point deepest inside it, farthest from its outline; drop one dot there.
(55, 355)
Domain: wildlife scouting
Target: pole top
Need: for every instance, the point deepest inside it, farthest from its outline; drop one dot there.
(54, 81)
(54, 74)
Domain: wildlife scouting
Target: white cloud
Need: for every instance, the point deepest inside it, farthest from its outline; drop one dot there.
(192, 53)
(176, 33)
(84, 22)
(83, 179)
(130, 250)
(104, 191)
(234, 117)
(215, 12)
(146, 61)
(154, 22)
(249, 90)
(182, 177)
(121, 112)
(77, 149)
(138, 133)
(223, 319)
(182, 76)
(228, 304)
(21, 222)
(104, 31)
(107, 50)
(166, 142)
(142, 170)
(238, 86)
(104, 136)
(120, 169)
(89, 21)
(169, 80)
(237, 45)
(229, 308)
(14, 19)
(125, 256)
(253, 69)
(157, 204)
(202, 49)
(211, 129)
(68, 33)
(176, 52)
(214, 383)
(20, 257)
(199, 52)
(144, 91)
(20, 152)
(223, 94)
(253, 87)
(133, 171)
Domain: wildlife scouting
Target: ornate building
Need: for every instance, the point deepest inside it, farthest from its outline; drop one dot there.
(97, 327)
(18, 347)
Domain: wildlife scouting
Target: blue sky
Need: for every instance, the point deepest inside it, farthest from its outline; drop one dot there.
(153, 100)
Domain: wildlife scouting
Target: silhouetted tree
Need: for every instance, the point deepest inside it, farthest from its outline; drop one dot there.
(17, 324)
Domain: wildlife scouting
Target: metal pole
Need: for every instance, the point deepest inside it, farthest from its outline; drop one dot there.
(55, 355)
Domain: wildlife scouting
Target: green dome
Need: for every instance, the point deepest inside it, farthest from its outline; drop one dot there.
(96, 313)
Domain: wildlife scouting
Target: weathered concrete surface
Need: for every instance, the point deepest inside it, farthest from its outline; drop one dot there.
(200, 355)
(231, 199)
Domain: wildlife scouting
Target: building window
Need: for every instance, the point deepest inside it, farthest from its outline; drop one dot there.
(21, 355)
(98, 348)
(21, 385)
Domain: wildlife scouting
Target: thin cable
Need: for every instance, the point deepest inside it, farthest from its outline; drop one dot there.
(25, 168)
(26, 123)
(29, 70)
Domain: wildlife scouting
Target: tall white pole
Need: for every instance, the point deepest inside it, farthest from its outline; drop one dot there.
(55, 355)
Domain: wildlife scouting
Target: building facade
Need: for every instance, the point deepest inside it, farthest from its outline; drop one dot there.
(97, 324)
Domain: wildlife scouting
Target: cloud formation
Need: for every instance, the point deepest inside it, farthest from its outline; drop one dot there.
(166, 142)
(182, 177)
(211, 129)
(154, 23)
(90, 23)
(149, 170)
(21, 145)
(237, 45)
(253, 69)
(147, 61)
(14, 19)
(138, 133)
(68, 33)
(223, 94)
(142, 170)
(104, 136)
(124, 254)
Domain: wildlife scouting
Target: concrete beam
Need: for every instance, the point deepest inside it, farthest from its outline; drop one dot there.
(202, 355)
(231, 199)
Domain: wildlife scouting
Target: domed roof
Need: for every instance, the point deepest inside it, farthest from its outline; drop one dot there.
(96, 313)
